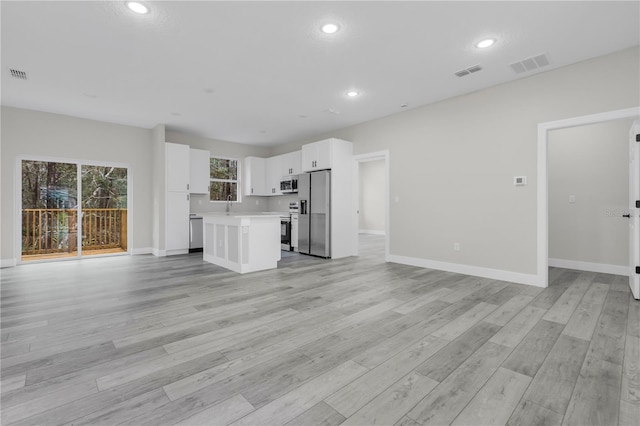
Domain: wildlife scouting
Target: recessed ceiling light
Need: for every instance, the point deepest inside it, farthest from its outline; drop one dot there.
(485, 43)
(330, 28)
(352, 93)
(137, 7)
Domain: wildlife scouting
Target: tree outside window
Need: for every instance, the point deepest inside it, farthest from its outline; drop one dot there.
(224, 182)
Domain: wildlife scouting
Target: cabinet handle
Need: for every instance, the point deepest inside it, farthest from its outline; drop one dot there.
(252, 190)
(187, 187)
(187, 197)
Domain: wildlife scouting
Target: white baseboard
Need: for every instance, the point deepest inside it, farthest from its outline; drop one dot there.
(8, 263)
(158, 253)
(370, 231)
(175, 252)
(589, 266)
(477, 271)
(142, 250)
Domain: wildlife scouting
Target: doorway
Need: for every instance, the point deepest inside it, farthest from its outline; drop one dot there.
(70, 209)
(542, 276)
(371, 193)
(589, 197)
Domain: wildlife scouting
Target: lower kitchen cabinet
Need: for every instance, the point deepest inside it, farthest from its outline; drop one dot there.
(177, 220)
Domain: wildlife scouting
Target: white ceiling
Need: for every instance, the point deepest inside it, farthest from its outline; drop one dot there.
(262, 73)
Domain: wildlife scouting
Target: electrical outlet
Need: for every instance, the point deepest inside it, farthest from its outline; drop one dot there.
(456, 246)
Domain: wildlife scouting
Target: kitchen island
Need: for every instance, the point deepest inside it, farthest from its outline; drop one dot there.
(242, 242)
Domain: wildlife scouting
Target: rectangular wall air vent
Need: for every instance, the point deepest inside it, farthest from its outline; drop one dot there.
(18, 74)
(467, 71)
(530, 64)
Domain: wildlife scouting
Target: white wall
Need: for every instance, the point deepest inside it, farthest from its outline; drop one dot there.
(40, 134)
(371, 217)
(452, 164)
(201, 203)
(590, 163)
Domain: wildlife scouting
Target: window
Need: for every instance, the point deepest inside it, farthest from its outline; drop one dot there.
(223, 174)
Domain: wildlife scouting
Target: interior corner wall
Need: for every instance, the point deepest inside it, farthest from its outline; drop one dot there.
(158, 184)
(40, 134)
(371, 216)
(200, 202)
(589, 163)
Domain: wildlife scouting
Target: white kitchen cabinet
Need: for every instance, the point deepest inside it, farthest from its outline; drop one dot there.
(177, 167)
(317, 155)
(177, 220)
(274, 175)
(199, 161)
(290, 163)
(255, 176)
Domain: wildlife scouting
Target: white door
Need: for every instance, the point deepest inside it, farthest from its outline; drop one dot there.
(634, 220)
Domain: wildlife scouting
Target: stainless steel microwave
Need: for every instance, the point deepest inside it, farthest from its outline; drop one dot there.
(289, 184)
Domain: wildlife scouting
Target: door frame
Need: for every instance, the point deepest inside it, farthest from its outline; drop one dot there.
(364, 158)
(79, 164)
(542, 275)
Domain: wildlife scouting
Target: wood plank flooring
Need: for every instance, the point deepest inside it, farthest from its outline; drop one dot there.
(176, 341)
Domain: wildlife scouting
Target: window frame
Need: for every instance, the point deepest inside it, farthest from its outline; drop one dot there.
(237, 181)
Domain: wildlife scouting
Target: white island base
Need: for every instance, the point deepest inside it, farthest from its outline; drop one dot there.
(242, 242)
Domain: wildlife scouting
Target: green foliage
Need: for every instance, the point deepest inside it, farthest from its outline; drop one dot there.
(51, 185)
(221, 168)
(104, 187)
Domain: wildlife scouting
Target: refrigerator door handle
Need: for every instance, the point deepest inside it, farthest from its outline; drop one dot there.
(303, 206)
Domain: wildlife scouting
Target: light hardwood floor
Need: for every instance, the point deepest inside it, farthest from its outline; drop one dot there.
(162, 341)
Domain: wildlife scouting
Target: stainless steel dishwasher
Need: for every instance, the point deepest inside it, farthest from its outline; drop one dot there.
(195, 233)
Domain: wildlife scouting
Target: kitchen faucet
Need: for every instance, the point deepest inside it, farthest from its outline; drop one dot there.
(228, 203)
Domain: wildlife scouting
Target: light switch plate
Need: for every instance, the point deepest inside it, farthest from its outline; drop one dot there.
(519, 180)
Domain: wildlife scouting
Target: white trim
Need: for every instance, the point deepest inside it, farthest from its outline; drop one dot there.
(371, 231)
(542, 276)
(8, 263)
(477, 271)
(589, 266)
(175, 252)
(374, 156)
(142, 250)
(158, 253)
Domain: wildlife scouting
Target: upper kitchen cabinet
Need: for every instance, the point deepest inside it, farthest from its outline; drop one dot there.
(255, 176)
(317, 155)
(199, 174)
(290, 163)
(177, 163)
(274, 168)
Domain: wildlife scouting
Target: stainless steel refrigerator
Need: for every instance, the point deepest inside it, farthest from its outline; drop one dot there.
(314, 218)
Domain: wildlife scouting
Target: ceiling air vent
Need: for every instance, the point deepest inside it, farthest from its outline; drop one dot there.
(467, 71)
(18, 74)
(530, 64)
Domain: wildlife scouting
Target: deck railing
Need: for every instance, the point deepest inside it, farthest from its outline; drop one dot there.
(56, 230)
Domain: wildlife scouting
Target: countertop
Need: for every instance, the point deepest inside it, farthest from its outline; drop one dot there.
(241, 214)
